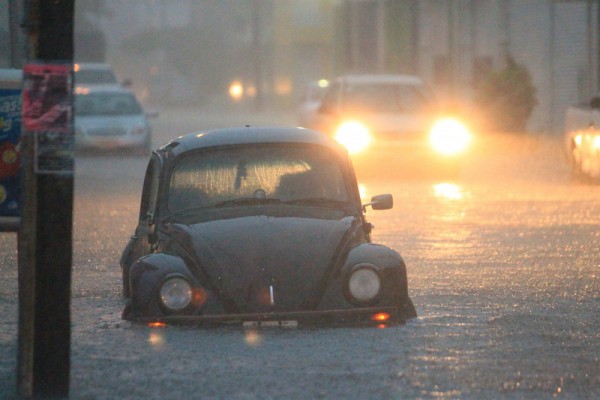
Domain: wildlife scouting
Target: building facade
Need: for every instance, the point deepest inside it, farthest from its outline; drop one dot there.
(453, 44)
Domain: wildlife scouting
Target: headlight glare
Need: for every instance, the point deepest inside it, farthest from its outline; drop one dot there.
(176, 294)
(449, 136)
(364, 284)
(354, 136)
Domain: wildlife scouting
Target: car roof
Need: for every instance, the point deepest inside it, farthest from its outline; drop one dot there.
(382, 78)
(101, 88)
(93, 66)
(249, 135)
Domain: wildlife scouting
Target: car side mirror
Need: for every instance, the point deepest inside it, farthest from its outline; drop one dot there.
(381, 202)
(595, 102)
(126, 83)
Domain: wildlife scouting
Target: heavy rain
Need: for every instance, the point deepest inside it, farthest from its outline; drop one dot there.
(502, 248)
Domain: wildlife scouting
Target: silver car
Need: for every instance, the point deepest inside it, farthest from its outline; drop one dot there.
(110, 117)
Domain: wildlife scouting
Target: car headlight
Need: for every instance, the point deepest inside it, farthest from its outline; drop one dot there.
(596, 143)
(364, 284)
(139, 130)
(354, 136)
(176, 294)
(449, 136)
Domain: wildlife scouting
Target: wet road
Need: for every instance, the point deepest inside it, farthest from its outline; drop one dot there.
(503, 266)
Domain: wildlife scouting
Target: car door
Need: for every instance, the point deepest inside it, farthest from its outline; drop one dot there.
(143, 240)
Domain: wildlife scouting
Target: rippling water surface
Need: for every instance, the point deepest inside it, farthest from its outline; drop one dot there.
(503, 267)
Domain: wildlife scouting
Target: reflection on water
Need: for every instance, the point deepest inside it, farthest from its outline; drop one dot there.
(156, 339)
(448, 191)
(252, 338)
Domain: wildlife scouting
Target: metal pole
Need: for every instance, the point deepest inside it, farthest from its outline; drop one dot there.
(381, 37)
(258, 56)
(590, 51)
(17, 45)
(552, 73)
(45, 243)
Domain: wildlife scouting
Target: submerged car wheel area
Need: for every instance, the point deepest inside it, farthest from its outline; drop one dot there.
(259, 227)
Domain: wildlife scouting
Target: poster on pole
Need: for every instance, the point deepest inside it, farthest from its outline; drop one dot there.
(48, 116)
(10, 135)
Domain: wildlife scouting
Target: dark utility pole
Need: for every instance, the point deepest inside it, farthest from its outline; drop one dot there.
(257, 40)
(45, 242)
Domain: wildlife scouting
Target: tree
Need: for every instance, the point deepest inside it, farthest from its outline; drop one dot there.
(507, 98)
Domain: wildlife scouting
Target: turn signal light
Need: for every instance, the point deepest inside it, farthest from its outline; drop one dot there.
(157, 324)
(380, 317)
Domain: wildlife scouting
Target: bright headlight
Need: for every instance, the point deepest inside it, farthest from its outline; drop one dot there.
(449, 136)
(354, 136)
(596, 143)
(176, 294)
(364, 284)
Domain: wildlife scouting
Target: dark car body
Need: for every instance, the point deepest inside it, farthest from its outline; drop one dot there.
(259, 226)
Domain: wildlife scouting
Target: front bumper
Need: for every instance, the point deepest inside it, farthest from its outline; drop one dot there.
(84, 141)
(371, 316)
(399, 158)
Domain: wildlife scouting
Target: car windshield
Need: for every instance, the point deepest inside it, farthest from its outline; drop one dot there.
(93, 77)
(385, 98)
(106, 104)
(266, 174)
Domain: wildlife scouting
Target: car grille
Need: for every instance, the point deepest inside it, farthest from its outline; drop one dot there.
(110, 131)
(400, 135)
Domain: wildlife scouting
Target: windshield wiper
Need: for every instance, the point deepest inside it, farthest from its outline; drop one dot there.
(247, 201)
(185, 211)
(318, 201)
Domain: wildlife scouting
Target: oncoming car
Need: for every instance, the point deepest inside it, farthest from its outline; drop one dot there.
(87, 74)
(259, 227)
(310, 101)
(582, 139)
(394, 115)
(110, 117)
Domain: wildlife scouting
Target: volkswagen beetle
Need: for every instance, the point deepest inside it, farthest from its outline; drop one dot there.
(259, 227)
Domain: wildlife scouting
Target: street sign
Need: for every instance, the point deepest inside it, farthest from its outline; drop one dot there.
(10, 138)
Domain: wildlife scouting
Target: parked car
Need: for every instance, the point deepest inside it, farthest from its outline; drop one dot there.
(310, 101)
(582, 139)
(393, 115)
(110, 117)
(259, 227)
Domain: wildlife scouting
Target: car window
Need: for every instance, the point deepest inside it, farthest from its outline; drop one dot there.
(330, 96)
(384, 97)
(92, 77)
(150, 188)
(285, 173)
(106, 104)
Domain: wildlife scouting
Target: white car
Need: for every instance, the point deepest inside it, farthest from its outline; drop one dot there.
(94, 74)
(311, 101)
(393, 115)
(582, 139)
(110, 117)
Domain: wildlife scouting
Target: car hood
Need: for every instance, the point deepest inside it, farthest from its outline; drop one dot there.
(113, 121)
(262, 263)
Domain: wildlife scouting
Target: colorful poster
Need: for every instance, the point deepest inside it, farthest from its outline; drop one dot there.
(10, 133)
(48, 116)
